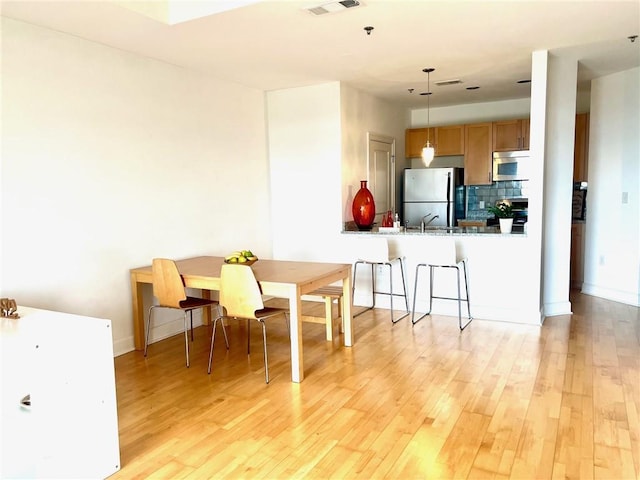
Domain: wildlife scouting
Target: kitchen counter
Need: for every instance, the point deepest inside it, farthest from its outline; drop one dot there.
(438, 231)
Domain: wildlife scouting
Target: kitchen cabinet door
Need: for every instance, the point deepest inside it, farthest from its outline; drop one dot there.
(450, 140)
(510, 135)
(524, 133)
(478, 154)
(581, 148)
(414, 140)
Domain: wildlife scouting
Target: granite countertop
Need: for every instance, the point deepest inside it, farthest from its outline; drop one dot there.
(457, 231)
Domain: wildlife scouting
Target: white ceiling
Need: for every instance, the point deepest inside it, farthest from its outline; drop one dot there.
(279, 44)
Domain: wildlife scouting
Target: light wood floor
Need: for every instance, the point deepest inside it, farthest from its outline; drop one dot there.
(495, 401)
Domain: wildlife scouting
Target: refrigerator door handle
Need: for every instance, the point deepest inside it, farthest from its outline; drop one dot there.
(449, 200)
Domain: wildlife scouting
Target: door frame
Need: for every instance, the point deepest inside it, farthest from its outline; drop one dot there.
(377, 137)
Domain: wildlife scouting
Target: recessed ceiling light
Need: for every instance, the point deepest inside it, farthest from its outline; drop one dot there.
(524, 81)
(444, 83)
(473, 88)
(333, 7)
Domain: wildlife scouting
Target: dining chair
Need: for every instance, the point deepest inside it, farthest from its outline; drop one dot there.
(375, 252)
(170, 292)
(443, 253)
(241, 297)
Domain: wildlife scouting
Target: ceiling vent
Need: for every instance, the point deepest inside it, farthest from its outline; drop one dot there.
(333, 7)
(444, 83)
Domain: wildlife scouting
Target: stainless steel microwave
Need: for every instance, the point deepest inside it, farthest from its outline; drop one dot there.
(511, 165)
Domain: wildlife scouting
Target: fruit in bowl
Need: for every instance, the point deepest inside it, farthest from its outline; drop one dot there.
(241, 256)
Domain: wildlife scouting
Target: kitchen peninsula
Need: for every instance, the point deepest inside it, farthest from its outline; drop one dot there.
(437, 231)
(501, 286)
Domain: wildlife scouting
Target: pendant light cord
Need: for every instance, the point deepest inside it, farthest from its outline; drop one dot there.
(428, 151)
(428, 72)
(428, 105)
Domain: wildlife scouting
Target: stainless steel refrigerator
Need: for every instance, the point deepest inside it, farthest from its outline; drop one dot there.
(435, 194)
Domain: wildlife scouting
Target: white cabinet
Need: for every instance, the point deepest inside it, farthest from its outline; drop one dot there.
(65, 364)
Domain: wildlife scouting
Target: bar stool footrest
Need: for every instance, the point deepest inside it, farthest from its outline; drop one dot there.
(451, 298)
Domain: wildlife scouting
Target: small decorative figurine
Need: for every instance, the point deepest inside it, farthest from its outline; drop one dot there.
(8, 308)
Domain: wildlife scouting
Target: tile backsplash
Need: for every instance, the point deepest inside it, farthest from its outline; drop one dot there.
(490, 194)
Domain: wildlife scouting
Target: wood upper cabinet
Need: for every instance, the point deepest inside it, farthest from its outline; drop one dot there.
(525, 124)
(478, 154)
(414, 140)
(510, 135)
(581, 148)
(450, 140)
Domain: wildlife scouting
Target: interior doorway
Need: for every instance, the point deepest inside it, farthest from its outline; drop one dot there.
(381, 171)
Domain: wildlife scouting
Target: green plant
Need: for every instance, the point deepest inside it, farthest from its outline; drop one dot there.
(501, 210)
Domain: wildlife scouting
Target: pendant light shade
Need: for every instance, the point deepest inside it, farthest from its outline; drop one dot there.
(428, 151)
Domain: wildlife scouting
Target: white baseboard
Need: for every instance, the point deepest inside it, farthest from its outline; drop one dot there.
(629, 298)
(122, 346)
(158, 332)
(557, 308)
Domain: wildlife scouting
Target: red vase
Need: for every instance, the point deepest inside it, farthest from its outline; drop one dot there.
(363, 207)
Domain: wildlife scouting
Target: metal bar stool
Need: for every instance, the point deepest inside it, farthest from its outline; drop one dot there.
(377, 253)
(447, 258)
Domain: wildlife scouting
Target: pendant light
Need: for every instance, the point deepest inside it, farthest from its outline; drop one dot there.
(428, 151)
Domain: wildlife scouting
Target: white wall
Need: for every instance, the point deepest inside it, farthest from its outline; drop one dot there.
(558, 183)
(318, 155)
(362, 113)
(537, 146)
(305, 161)
(472, 113)
(110, 159)
(612, 237)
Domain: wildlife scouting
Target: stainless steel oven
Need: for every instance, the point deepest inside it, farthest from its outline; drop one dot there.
(579, 204)
(512, 165)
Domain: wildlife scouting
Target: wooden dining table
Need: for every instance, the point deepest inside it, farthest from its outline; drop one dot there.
(277, 278)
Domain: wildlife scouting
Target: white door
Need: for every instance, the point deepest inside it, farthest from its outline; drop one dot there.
(382, 173)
